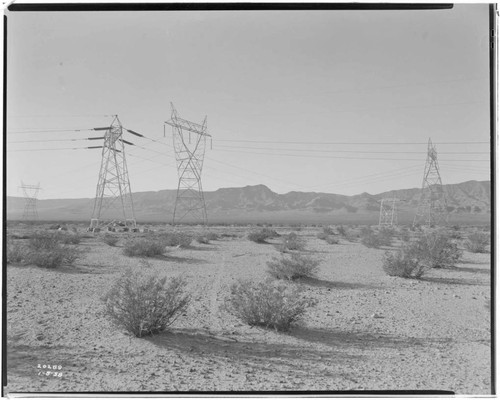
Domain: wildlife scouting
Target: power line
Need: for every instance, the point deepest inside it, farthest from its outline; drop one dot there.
(347, 151)
(350, 143)
(336, 157)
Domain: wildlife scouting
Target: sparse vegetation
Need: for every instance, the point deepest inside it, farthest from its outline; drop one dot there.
(376, 239)
(266, 304)
(202, 239)
(144, 304)
(295, 267)
(144, 247)
(477, 242)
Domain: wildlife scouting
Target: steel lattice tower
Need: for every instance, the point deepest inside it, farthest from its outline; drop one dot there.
(189, 144)
(113, 200)
(432, 209)
(30, 192)
(388, 212)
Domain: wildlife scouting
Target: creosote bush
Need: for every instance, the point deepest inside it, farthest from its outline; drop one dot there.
(16, 253)
(376, 239)
(400, 263)
(173, 239)
(46, 250)
(262, 235)
(331, 240)
(144, 304)
(144, 247)
(291, 242)
(294, 267)
(110, 240)
(435, 249)
(476, 242)
(267, 304)
(202, 239)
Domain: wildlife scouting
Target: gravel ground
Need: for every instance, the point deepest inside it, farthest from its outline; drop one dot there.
(368, 331)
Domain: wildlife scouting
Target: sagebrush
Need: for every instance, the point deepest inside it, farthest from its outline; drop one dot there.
(144, 304)
(267, 304)
(294, 267)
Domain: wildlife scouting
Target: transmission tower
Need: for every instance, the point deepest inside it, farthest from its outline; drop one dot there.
(189, 144)
(388, 212)
(432, 209)
(113, 200)
(30, 192)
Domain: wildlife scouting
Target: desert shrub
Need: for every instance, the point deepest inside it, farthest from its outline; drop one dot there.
(144, 304)
(385, 236)
(401, 263)
(366, 231)
(322, 235)
(211, 235)
(435, 249)
(328, 231)
(295, 267)
(69, 238)
(202, 239)
(341, 230)
(46, 250)
(43, 240)
(16, 253)
(477, 242)
(331, 240)
(110, 240)
(292, 242)
(405, 236)
(269, 305)
(144, 247)
(371, 239)
(173, 239)
(262, 235)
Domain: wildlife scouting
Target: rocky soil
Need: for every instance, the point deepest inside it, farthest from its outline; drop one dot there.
(368, 331)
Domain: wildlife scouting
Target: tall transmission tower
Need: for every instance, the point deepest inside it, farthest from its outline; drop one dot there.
(388, 212)
(30, 192)
(432, 209)
(113, 199)
(189, 144)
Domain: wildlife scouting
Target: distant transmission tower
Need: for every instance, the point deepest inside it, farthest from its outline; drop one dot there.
(388, 212)
(30, 196)
(189, 153)
(432, 209)
(113, 200)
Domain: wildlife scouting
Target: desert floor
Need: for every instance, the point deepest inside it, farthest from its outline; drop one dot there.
(368, 331)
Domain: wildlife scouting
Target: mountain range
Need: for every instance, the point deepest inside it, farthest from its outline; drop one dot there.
(467, 202)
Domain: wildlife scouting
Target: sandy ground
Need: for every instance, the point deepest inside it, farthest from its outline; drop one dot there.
(368, 331)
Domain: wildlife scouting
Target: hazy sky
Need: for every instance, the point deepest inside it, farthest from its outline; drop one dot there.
(266, 80)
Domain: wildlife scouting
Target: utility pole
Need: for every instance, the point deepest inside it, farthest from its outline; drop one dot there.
(432, 208)
(113, 200)
(388, 212)
(189, 140)
(30, 192)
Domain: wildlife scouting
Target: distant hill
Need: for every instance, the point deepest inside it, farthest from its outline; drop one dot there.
(468, 201)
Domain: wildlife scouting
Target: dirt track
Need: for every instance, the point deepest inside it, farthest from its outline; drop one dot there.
(368, 331)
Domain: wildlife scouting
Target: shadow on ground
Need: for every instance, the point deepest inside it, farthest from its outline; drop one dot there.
(335, 285)
(235, 347)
